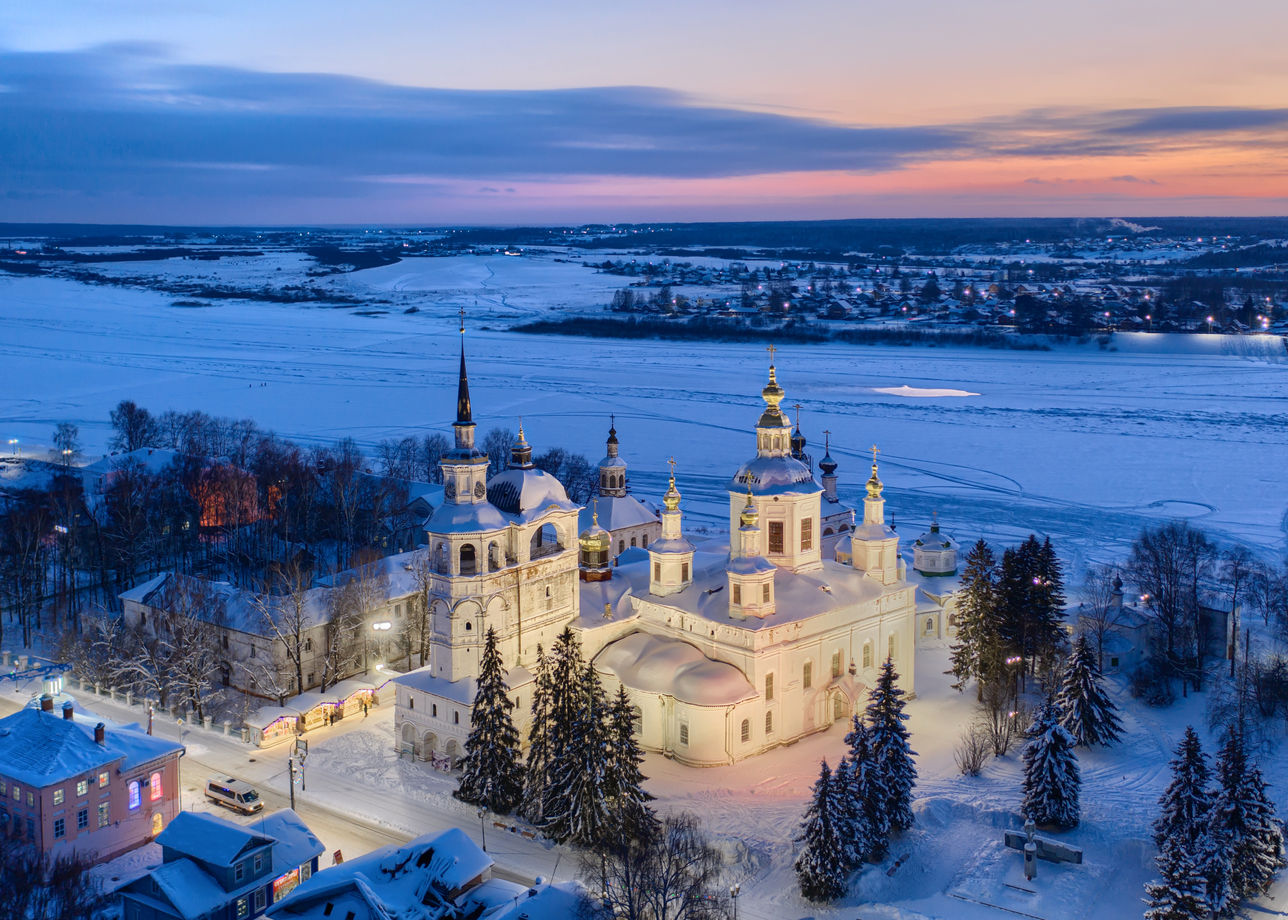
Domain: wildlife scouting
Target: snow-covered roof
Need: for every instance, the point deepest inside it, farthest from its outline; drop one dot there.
(189, 888)
(658, 664)
(774, 476)
(153, 459)
(42, 748)
(415, 881)
(209, 838)
(618, 511)
(458, 691)
(497, 899)
(467, 518)
(295, 845)
(223, 604)
(334, 694)
(266, 715)
(798, 595)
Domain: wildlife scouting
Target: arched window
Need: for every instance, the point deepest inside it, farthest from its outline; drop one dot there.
(632, 541)
(930, 624)
(838, 707)
(621, 546)
(469, 564)
(890, 647)
(746, 730)
(836, 663)
(154, 785)
(769, 723)
(867, 654)
(769, 686)
(440, 558)
(645, 541)
(468, 626)
(545, 540)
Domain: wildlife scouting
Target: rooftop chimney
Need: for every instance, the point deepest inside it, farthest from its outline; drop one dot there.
(68, 709)
(46, 703)
(98, 732)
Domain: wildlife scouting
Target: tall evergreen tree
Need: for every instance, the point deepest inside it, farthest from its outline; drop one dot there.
(821, 866)
(1051, 776)
(563, 721)
(1088, 712)
(1182, 893)
(1183, 807)
(1048, 601)
(894, 771)
(1244, 823)
(976, 616)
(580, 810)
(491, 775)
(866, 827)
(536, 779)
(632, 816)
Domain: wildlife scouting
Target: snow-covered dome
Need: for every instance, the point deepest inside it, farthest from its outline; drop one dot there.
(655, 664)
(774, 476)
(934, 552)
(524, 492)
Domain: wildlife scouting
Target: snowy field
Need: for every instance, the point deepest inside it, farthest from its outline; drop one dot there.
(1084, 444)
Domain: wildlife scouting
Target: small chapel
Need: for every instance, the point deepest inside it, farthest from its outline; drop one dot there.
(726, 650)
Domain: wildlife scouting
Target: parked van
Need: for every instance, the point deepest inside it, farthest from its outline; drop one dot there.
(234, 794)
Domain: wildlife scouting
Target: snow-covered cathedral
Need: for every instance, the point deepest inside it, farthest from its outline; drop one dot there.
(726, 651)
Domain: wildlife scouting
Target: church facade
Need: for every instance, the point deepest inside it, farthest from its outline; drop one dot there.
(726, 651)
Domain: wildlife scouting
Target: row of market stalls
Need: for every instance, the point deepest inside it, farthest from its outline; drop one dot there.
(272, 725)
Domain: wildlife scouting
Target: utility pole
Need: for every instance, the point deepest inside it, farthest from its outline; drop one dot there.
(290, 763)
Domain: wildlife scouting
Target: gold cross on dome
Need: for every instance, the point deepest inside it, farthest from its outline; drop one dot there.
(671, 461)
(875, 450)
(771, 349)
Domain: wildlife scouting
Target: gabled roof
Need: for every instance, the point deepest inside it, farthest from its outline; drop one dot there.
(42, 748)
(209, 839)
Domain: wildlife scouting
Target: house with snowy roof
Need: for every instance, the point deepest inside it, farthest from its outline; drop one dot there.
(443, 876)
(214, 869)
(74, 785)
(726, 650)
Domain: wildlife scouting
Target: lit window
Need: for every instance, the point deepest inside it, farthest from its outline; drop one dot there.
(31, 799)
(156, 786)
(134, 799)
(17, 793)
(82, 788)
(58, 796)
(243, 906)
(103, 780)
(104, 813)
(807, 675)
(684, 733)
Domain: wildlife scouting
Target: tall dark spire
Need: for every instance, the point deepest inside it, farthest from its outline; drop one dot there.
(463, 414)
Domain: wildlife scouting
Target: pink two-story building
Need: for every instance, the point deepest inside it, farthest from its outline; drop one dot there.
(75, 785)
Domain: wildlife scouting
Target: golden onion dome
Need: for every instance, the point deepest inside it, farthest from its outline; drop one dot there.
(595, 538)
(874, 484)
(750, 517)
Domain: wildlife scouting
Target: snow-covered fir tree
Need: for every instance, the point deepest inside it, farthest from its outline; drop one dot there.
(632, 816)
(1088, 712)
(894, 771)
(1051, 776)
(821, 865)
(580, 811)
(491, 774)
(1184, 804)
(1182, 892)
(866, 828)
(976, 612)
(565, 701)
(536, 775)
(1243, 821)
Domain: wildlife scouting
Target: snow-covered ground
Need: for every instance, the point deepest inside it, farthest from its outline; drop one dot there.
(1082, 443)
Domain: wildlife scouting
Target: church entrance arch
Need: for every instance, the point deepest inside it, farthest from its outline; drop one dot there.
(839, 706)
(429, 746)
(453, 751)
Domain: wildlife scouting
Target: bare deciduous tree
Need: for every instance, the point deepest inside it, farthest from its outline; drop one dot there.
(672, 874)
(1103, 608)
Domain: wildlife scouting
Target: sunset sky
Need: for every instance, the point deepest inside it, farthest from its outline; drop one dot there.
(284, 111)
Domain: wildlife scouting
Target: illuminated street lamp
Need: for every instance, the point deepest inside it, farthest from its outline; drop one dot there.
(733, 895)
(1209, 322)
(13, 445)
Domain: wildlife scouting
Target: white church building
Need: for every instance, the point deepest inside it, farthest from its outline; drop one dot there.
(725, 650)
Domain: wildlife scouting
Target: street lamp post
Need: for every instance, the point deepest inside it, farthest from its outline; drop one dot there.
(733, 896)
(483, 827)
